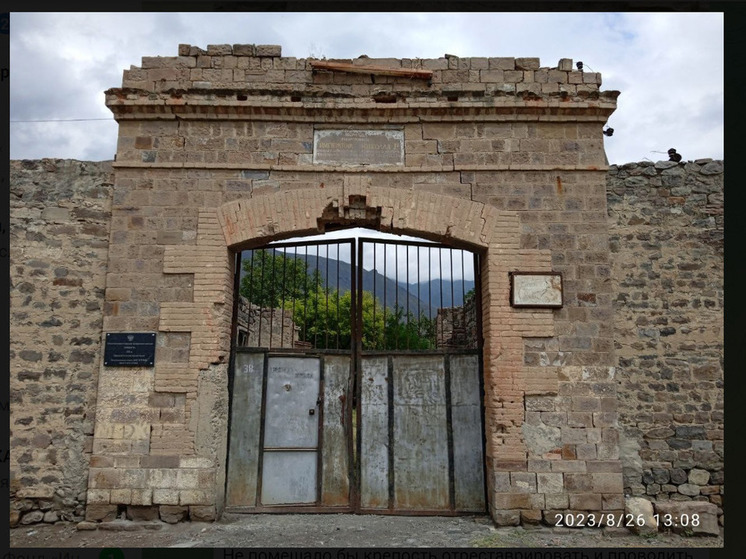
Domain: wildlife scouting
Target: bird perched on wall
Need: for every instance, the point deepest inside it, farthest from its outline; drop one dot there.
(673, 156)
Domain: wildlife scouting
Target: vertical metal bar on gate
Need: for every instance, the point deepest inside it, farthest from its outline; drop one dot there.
(356, 345)
(385, 301)
(407, 257)
(339, 329)
(282, 304)
(440, 290)
(232, 359)
(396, 294)
(480, 356)
(375, 250)
(260, 303)
(326, 314)
(273, 262)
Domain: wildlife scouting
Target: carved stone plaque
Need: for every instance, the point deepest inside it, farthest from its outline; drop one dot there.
(536, 289)
(358, 147)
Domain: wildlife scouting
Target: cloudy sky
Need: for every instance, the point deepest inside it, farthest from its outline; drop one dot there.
(668, 66)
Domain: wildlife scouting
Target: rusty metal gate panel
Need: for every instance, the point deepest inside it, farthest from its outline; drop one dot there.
(374, 434)
(335, 458)
(466, 421)
(243, 459)
(291, 431)
(367, 400)
(421, 437)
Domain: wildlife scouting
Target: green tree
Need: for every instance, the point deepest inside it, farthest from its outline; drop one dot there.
(408, 331)
(324, 319)
(272, 279)
(275, 280)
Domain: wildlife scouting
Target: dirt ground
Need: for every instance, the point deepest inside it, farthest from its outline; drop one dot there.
(338, 531)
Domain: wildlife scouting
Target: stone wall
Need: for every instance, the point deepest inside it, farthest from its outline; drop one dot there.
(500, 155)
(60, 218)
(216, 154)
(266, 327)
(667, 278)
(456, 327)
(668, 335)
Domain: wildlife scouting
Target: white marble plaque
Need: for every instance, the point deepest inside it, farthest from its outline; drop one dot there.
(358, 147)
(536, 289)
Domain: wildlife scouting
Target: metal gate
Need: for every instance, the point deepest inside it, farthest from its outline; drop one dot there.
(356, 379)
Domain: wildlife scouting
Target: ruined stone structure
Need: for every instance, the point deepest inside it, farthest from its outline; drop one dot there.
(252, 320)
(228, 148)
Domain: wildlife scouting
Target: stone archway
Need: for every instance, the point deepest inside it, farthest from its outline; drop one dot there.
(287, 213)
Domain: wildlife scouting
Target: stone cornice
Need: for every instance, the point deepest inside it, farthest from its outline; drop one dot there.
(136, 105)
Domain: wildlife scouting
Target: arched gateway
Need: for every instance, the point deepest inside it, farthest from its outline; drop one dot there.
(230, 148)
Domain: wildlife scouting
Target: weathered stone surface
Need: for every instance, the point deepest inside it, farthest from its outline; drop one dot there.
(712, 168)
(699, 477)
(60, 230)
(642, 508)
(689, 489)
(507, 517)
(121, 525)
(531, 517)
(549, 482)
(707, 515)
(202, 513)
(51, 517)
(104, 513)
(678, 476)
(32, 517)
(244, 50)
(668, 323)
(173, 514)
(268, 50)
(85, 525)
(541, 439)
(142, 513)
(15, 517)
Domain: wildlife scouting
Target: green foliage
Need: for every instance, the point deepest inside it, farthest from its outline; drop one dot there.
(273, 280)
(409, 332)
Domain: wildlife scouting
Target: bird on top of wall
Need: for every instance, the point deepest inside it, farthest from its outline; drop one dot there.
(673, 156)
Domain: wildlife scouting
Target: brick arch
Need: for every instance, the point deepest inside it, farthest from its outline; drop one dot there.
(496, 233)
(289, 213)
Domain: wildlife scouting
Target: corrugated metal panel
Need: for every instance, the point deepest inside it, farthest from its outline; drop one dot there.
(420, 434)
(335, 483)
(292, 391)
(374, 434)
(466, 421)
(243, 462)
(289, 477)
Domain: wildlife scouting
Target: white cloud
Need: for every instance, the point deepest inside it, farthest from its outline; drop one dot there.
(669, 67)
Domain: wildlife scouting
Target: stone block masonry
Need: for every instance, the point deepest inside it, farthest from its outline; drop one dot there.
(667, 250)
(500, 155)
(60, 220)
(653, 466)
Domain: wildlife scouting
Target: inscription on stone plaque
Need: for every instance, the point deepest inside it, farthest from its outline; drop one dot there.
(536, 289)
(358, 147)
(129, 350)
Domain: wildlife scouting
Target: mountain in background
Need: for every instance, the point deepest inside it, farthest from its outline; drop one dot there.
(427, 294)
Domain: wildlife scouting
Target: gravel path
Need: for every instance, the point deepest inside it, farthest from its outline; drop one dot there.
(337, 530)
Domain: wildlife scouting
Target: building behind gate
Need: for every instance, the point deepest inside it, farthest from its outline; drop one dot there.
(233, 147)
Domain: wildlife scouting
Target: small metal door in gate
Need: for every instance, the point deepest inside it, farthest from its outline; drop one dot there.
(291, 431)
(352, 389)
